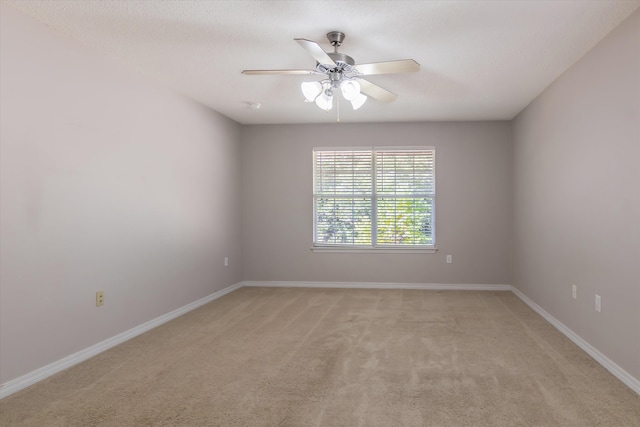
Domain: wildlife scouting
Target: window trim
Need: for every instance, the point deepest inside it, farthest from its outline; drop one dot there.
(424, 249)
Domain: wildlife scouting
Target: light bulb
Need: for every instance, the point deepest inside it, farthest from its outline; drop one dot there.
(311, 90)
(358, 101)
(325, 100)
(350, 89)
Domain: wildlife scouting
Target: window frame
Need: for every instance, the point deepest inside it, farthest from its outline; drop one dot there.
(375, 246)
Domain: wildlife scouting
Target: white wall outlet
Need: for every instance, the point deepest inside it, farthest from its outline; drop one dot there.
(598, 303)
(449, 259)
(226, 261)
(574, 291)
(99, 298)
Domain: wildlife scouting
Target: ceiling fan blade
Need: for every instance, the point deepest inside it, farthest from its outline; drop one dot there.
(375, 91)
(292, 72)
(316, 51)
(389, 67)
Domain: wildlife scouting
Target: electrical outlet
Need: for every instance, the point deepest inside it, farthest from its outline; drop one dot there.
(598, 303)
(226, 261)
(449, 259)
(99, 298)
(574, 291)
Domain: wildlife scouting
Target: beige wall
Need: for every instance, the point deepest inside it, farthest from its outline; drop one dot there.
(576, 160)
(107, 182)
(472, 208)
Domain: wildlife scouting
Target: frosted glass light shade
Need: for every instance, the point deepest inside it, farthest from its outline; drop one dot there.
(325, 101)
(358, 101)
(350, 89)
(311, 90)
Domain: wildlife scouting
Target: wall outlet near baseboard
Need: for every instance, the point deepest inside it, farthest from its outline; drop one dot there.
(99, 298)
(598, 303)
(574, 292)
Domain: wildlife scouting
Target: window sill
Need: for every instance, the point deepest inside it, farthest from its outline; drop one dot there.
(345, 249)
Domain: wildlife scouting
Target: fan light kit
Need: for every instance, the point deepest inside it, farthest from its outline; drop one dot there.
(342, 75)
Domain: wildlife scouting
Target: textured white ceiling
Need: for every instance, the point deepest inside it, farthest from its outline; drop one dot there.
(480, 60)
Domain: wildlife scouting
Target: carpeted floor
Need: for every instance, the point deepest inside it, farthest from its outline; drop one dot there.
(338, 357)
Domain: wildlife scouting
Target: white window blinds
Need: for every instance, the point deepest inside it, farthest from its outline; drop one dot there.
(374, 197)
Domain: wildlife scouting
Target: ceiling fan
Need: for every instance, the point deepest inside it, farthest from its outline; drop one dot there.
(342, 74)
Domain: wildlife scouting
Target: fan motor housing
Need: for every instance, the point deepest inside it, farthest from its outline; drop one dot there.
(344, 64)
(341, 57)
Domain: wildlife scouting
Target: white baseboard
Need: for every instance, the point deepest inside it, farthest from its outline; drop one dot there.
(40, 374)
(379, 285)
(608, 364)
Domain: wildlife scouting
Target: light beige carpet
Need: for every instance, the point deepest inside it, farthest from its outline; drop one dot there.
(329, 357)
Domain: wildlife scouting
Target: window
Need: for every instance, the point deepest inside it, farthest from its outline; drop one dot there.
(374, 198)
